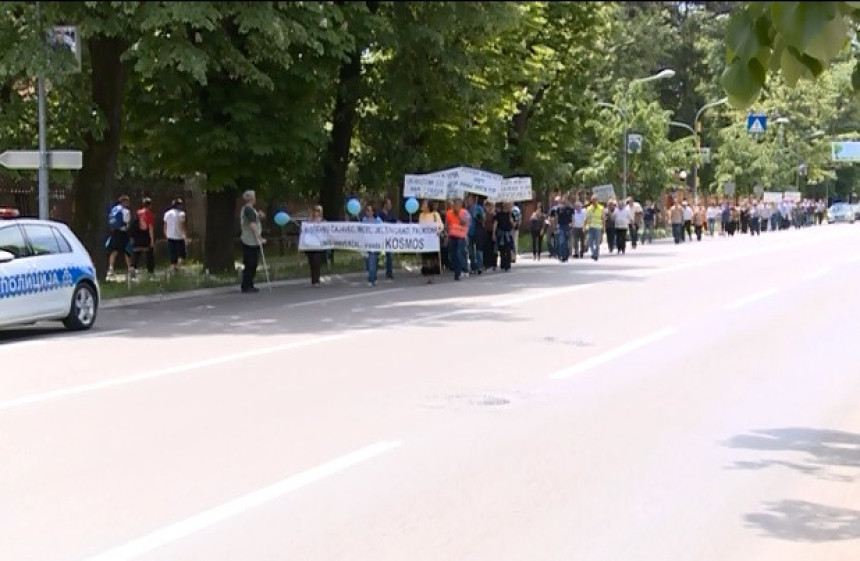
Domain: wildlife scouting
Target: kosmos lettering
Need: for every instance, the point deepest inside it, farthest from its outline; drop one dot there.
(412, 244)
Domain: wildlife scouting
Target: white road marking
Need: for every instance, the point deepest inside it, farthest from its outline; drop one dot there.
(818, 273)
(240, 505)
(751, 298)
(339, 298)
(608, 356)
(178, 369)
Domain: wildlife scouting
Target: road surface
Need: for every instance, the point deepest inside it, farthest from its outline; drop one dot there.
(681, 402)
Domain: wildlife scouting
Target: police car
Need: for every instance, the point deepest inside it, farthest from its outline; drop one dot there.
(45, 275)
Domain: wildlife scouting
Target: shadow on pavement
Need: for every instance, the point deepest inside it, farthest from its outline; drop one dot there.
(802, 521)
(820, 449)
(343, 305)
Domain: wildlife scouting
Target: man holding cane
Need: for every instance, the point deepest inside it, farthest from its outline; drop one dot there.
(251, 223)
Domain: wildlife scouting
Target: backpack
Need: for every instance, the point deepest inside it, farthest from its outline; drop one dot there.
(115, 218)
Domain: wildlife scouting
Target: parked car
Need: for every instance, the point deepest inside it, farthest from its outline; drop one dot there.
(840, 212)
(856, 211)
(46, 274)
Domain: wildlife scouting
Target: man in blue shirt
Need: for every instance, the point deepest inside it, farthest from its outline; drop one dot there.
(371, 260)
(476, 251)
(387, 215)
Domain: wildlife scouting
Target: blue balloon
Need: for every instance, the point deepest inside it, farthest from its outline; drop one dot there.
(353, 207)
(411, 205)
(282, 218)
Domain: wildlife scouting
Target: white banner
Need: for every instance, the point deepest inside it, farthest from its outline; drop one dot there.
(604, 192)
(357, 236)
(792, 196)
(514, 189)
(772, 196)
(479, 182)
(432, 186)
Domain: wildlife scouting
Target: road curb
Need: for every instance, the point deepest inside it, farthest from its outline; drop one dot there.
(121, 302)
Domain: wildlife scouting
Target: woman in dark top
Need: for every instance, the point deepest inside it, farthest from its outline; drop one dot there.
(491, 257)
(503, 233)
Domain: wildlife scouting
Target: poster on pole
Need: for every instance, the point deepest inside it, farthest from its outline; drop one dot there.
(792, 196)
(514, 190)
(604, 192)
(356, 236)
(479, 182)
(772, 197)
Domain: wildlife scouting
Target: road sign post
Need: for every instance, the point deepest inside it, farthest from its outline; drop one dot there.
(756, 124)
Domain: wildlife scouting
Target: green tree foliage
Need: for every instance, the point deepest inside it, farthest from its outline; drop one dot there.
(798, 39)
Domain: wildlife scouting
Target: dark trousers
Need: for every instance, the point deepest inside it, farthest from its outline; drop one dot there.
(634, 235)
(755, 226)
(698, 229)
(579, 242)
(537, 243)
(315, 259)
(150, 258)
(688, 229)
(250, 259)
(621, 239)
(610, 237)
(677, 232)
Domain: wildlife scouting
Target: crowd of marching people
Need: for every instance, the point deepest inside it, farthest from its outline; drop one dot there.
(479, 236)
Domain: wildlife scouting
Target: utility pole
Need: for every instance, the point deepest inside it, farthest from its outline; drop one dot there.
(43, 141)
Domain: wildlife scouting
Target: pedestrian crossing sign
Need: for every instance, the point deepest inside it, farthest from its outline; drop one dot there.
(756, 124)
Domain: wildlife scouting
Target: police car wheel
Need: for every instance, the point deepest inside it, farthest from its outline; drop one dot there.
(82, 314)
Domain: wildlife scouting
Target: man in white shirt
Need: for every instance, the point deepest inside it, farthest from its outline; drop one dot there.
(578, 230)
(636, 212)
(766, 213)
(688, 220)
(713, 215)
(622, 225)
(174, 231)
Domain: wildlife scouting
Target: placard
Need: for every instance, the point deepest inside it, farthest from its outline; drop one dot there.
(604, 192)
(514, 189)
(479, 182)
(772, 196)
(792, 196)
(432, 186)
(357, 236)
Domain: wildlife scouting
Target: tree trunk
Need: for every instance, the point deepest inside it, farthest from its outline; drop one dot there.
(518, 128)
(337, 154)
(93, 186)
(222, 224)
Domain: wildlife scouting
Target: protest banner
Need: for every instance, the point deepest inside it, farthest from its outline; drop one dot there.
(604, 192)
(792, 196)
(357, 236)
(432, 186)
(514, 189)
(772, 196)
(479, 182)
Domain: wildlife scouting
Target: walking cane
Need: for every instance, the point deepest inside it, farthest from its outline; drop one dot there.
(265, 265)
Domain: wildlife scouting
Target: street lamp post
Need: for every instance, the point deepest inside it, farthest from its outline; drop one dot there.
(623, 111)
(800, 168)
(696, 129)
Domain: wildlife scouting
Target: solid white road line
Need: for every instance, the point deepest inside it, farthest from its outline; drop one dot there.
(818, 273)
(751, 298)
(617, 352)
(339, 298)
(240, 505)
(177, 369)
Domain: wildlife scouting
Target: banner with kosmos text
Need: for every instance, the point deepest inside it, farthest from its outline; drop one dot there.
(356, 236)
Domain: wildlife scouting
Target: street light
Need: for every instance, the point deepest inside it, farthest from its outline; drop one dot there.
(696, 130)
(623, 111)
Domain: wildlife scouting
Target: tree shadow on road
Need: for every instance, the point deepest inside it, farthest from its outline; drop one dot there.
(814, 450)
(802, 521)
(339, 306)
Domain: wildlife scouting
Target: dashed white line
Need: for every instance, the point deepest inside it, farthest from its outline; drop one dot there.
(751, 298)
(240, 505)
(818, 273)
(617, 352)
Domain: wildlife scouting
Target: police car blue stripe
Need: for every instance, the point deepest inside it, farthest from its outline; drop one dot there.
(42, 281)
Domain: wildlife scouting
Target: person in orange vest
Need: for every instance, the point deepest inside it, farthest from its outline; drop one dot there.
(457, 220)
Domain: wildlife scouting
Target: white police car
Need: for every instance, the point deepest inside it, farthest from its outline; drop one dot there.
(45, 274)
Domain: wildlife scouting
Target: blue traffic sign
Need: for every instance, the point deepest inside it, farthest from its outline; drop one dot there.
(756, 124)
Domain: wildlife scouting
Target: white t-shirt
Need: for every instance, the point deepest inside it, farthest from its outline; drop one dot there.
(622, 218)
(173, 219)
(688, 213)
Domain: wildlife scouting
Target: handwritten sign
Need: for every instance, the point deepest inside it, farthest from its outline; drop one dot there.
(604, 192)
(514, 189)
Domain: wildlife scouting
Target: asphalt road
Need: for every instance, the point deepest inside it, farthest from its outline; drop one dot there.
(693, 402)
